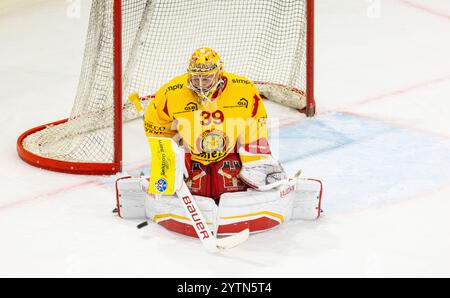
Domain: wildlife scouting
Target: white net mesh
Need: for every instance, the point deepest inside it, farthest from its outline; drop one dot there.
(262, 40)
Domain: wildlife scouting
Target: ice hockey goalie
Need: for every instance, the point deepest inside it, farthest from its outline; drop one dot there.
(208, 129)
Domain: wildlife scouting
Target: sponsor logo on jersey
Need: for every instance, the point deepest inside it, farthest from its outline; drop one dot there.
(211, 157)
(242, 103)
(174, 87)
(154, 129)
(240, 81)
(191, 107)
(161, 185)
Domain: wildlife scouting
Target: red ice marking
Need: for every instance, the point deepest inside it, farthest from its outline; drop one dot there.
(392, 122)
(45, 195)
(394, 93)
(426, 9)
(402, 90)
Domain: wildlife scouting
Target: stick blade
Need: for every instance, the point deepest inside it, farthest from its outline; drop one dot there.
(233, 241)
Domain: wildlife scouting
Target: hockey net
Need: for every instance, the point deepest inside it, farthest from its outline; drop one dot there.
(139, 45)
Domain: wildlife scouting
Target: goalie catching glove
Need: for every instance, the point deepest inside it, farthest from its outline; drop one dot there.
(263, 174)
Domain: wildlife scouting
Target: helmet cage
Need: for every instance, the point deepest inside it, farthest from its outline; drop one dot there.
(205, 84)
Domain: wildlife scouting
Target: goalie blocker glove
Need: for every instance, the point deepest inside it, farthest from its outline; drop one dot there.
(263, 174)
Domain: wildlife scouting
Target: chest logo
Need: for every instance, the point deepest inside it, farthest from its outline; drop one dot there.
(213, 142)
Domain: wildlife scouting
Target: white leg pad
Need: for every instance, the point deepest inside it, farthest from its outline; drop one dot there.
(131, 196)
(307, 199)
(256, 210)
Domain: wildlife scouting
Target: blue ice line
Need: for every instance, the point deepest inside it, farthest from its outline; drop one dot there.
(347, 142)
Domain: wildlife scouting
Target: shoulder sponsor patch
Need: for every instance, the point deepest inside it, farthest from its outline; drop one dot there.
(190, 107)
(241, 103)
(241, 81)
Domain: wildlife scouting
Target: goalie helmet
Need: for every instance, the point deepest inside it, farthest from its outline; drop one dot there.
(205, 73)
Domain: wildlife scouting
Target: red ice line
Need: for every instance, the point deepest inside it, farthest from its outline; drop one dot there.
(426, 9)
(45, 195)
(401, 91)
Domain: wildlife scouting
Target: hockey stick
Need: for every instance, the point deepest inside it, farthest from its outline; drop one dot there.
(209, 241)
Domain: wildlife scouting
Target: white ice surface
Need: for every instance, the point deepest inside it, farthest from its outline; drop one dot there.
(380, 143)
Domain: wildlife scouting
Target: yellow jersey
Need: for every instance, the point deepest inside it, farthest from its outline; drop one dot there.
(236, 118)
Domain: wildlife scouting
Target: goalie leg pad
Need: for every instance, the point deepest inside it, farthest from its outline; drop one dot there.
(255, 210)
(307, 198)
(300, 199)
(133, 202)
(131, 194)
